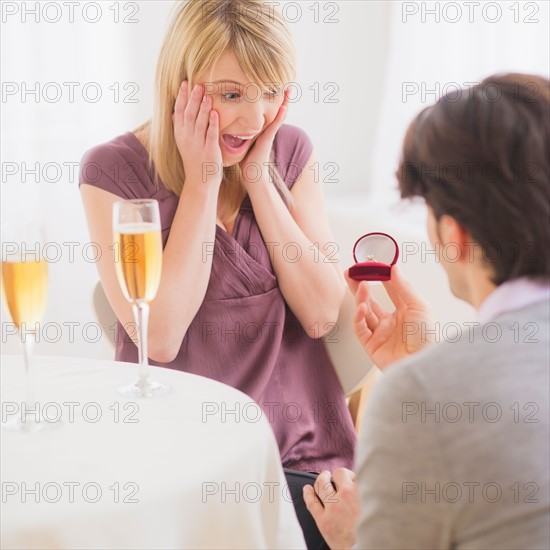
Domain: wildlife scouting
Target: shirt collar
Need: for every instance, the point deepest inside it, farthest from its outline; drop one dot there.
(512, 295)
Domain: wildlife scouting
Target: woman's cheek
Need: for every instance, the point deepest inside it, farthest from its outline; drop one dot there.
(271, 114)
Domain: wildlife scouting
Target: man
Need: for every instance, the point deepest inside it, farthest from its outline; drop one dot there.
(454, 449)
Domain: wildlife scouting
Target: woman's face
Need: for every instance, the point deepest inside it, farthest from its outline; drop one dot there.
(245, 110)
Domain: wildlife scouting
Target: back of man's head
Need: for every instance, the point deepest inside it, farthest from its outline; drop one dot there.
(482, 156)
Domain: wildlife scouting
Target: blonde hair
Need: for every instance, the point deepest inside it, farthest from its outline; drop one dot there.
(200, 32)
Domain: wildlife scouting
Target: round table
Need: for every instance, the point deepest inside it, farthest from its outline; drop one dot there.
(198, 468)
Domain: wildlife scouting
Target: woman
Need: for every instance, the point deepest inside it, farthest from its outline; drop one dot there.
(246, 291)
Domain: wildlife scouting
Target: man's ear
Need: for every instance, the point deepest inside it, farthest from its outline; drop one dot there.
(455, 237)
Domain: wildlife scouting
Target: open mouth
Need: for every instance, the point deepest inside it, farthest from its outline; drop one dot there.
(236, 144)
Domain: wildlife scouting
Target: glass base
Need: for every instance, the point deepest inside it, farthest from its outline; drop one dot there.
(145, 387)
(30, 424)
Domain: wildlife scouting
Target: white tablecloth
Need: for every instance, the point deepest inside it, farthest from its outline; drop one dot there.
(198, 468)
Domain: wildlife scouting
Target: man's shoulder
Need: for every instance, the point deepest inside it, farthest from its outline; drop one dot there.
(468, 351)
(471, 415)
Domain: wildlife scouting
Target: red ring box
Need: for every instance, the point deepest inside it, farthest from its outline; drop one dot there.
(383, 252)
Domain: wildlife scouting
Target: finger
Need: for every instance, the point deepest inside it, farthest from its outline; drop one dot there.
(364, 304)
(393, 291)
(204, 116)
(193, 106)
(352, 283)
(264, 143)
(281, 114)
(362, 294)
(403, 288)
(181, 103)
(343, 474)
(277, 122)
(371, 318)
(286, 96)
(323, 487)
(313, 503)
(360, 327)
(379, 311)
(342, 477)
(213, 132)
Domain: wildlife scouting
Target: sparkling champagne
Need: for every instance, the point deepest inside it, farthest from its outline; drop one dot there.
(25, 288)
(138, 259)
(138, 249)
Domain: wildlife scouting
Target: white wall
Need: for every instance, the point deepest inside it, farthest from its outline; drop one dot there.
(105, 54)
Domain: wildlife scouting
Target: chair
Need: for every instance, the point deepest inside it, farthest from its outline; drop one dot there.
(104, 312)
(358, 399)
(355, 369)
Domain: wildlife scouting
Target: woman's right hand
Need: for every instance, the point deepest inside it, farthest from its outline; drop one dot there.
(388, 337)
(196, 131)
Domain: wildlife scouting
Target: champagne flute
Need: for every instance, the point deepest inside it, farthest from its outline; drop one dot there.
(138, 246)
(24, 292)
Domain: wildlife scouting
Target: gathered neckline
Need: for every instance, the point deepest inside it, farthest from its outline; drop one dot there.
(245, 204)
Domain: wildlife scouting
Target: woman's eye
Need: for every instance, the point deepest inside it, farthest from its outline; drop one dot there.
(231, 96)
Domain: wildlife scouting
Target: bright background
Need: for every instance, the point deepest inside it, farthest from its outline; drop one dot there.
(356, 59)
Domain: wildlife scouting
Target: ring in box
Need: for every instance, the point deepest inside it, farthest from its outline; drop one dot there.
(374, 255)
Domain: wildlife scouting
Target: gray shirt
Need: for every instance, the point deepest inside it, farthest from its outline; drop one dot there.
(454, 449)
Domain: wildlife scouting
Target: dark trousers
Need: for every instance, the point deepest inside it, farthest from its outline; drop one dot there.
(296, 481)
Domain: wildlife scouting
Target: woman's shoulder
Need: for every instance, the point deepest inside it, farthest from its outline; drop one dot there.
(293, 149)
(124, 146)
(119, 166)
(291, 141)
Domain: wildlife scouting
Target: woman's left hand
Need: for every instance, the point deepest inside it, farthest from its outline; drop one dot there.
(258, 158)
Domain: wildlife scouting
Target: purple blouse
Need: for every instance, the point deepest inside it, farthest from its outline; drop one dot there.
(244, 334)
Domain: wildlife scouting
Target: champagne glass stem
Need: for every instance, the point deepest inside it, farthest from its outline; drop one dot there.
(28, 339)
(141, 315)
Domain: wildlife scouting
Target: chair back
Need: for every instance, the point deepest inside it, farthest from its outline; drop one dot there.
(350, 361)
(104, 312)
